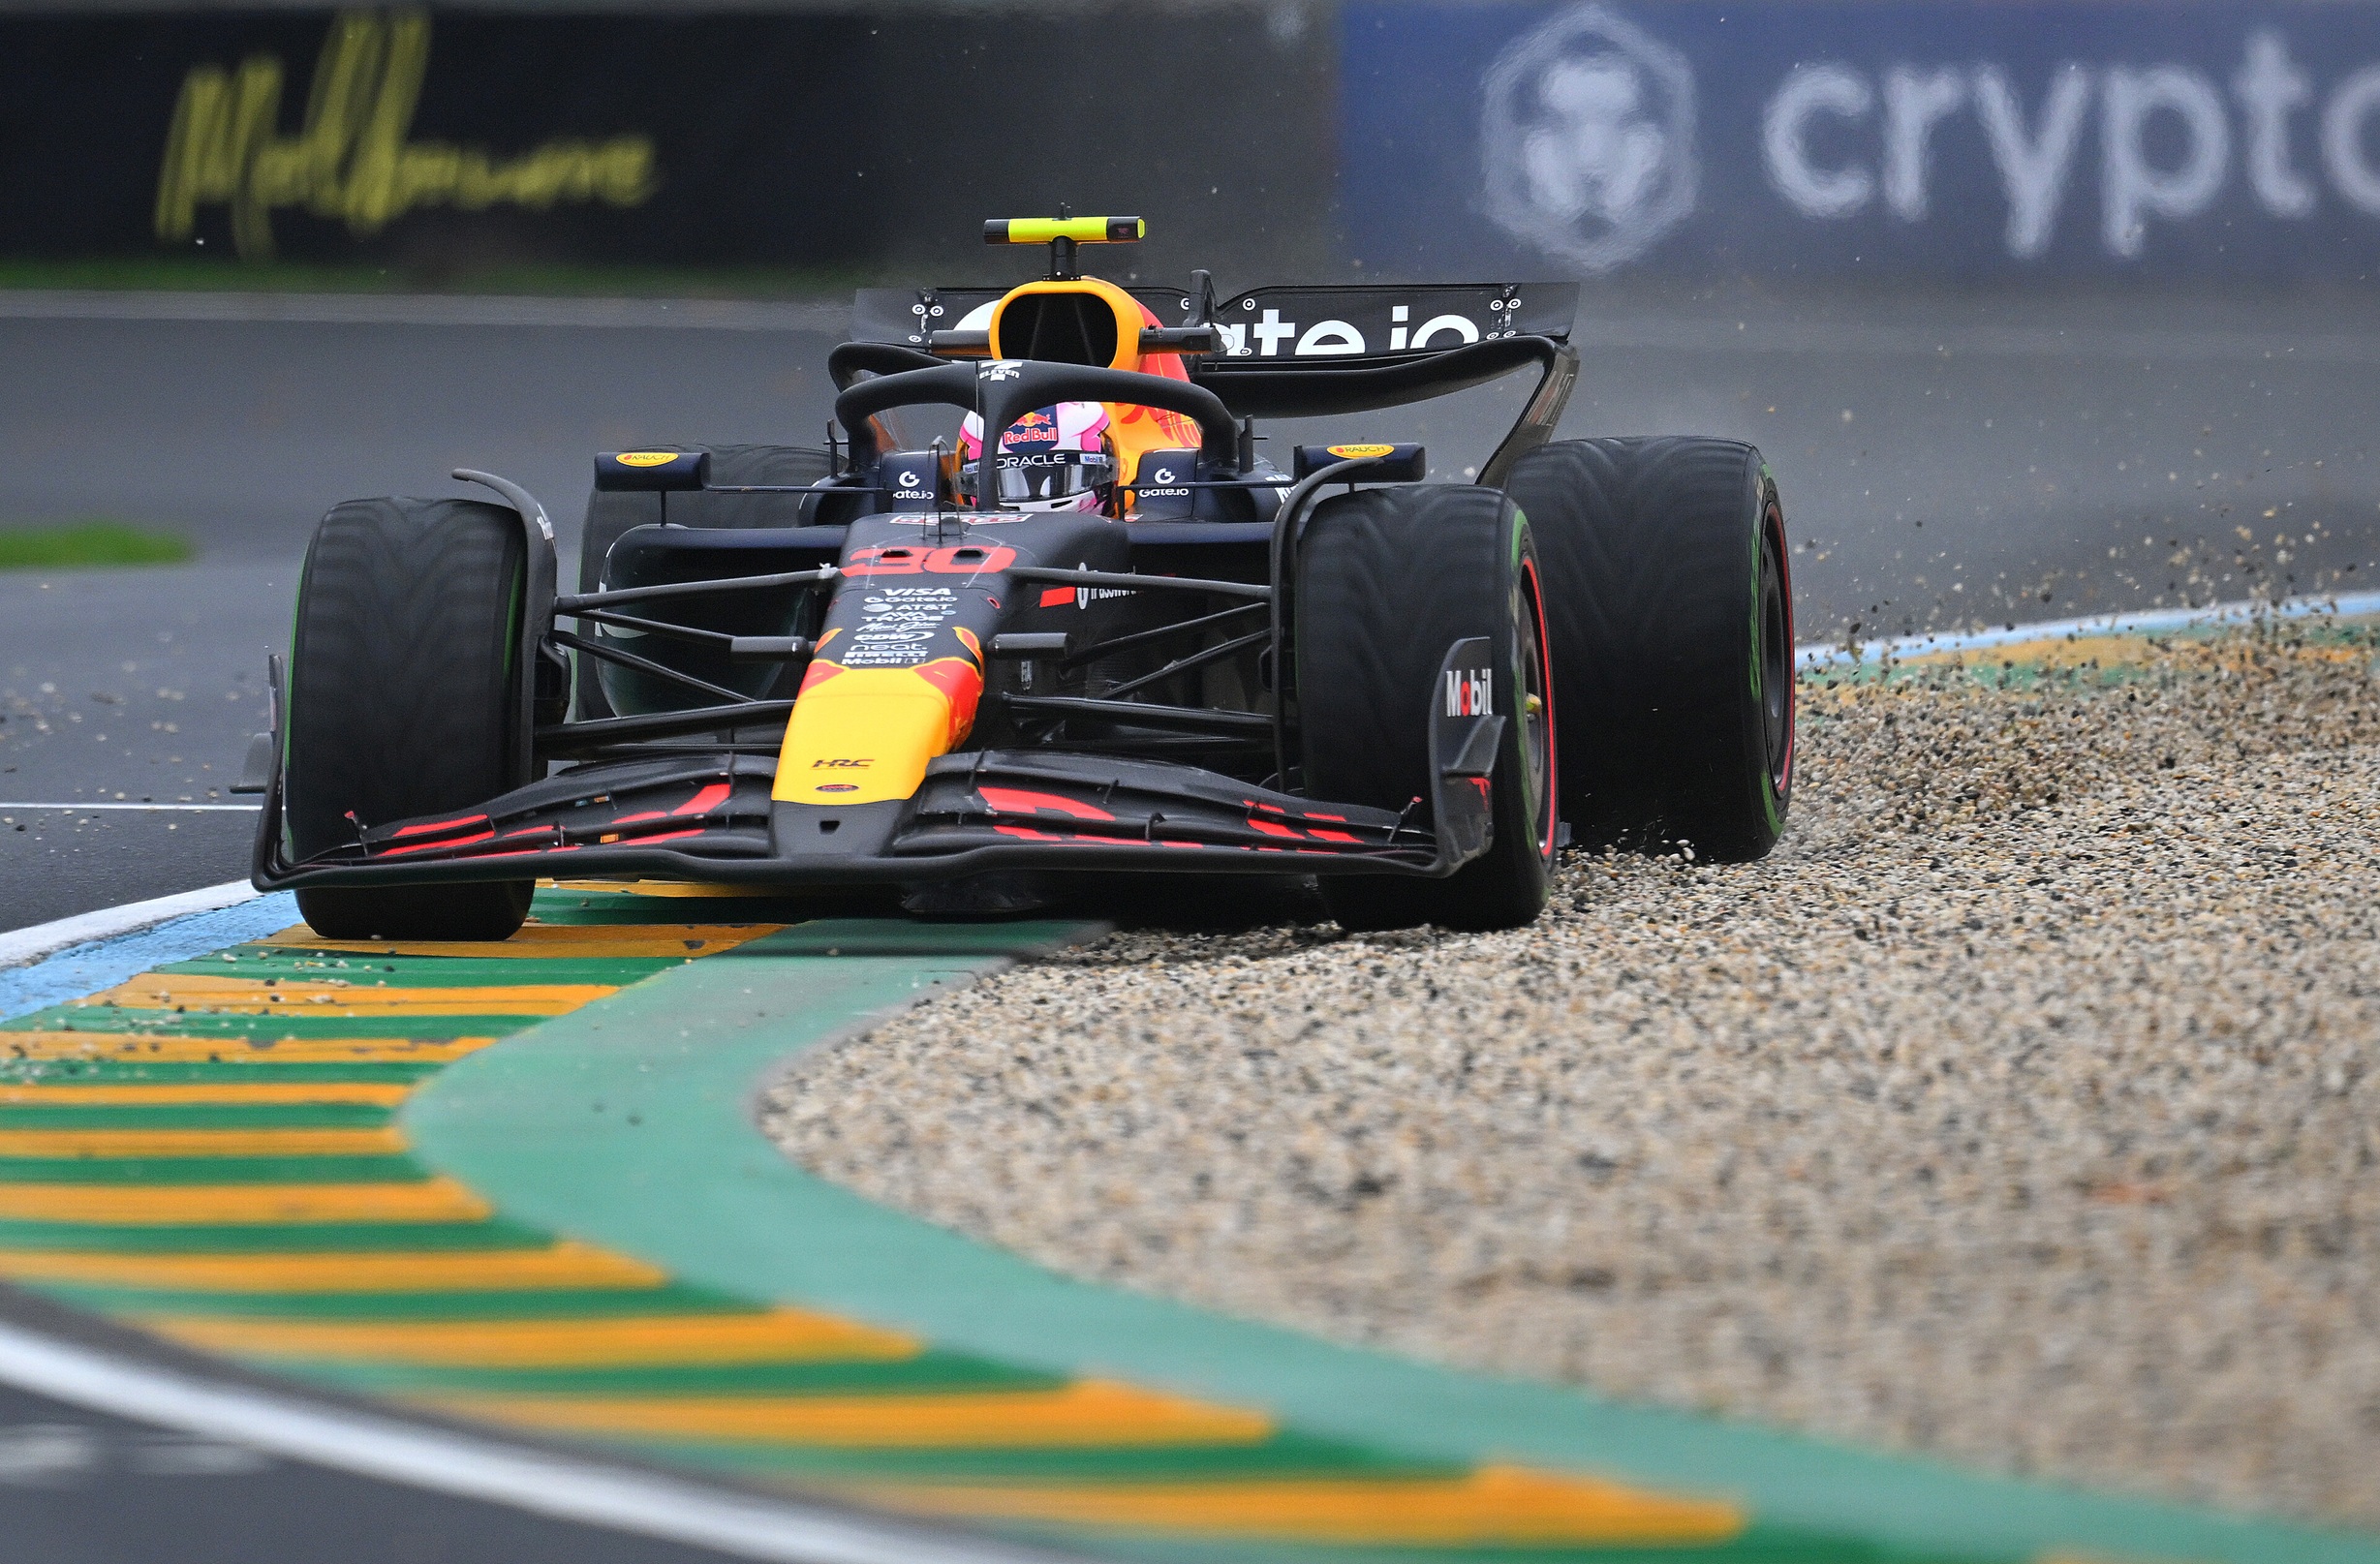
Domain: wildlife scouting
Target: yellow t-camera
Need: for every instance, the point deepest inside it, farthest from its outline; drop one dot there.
(1073, 229)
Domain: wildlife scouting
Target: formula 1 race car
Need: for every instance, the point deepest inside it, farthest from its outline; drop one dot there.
(1095, 632)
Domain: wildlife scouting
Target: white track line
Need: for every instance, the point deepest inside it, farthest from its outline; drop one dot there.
(143, 809)
(590, 1493)
(22, 945)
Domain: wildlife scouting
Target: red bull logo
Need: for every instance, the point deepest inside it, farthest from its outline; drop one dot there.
(1033, 429)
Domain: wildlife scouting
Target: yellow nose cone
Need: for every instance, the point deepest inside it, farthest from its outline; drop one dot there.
(864, 735)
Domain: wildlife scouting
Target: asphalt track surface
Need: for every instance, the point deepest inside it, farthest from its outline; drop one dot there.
(1948, 459)
(83, 1487)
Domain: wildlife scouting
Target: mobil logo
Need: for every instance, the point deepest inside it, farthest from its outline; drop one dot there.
(1471, 691)
(1034, 430)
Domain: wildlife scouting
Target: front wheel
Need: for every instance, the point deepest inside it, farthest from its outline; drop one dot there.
(1671, 605)
(1388, 580)
(405, 699)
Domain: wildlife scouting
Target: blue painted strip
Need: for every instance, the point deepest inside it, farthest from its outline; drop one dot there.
(82, 969)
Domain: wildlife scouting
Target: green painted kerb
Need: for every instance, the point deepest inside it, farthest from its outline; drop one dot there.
(630, 1124)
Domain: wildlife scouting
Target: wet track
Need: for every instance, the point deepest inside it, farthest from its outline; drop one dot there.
(82, 1488)
(1947, 459)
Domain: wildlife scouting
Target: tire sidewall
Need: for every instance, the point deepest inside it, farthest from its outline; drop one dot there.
(1527, 820)
(1772, 787)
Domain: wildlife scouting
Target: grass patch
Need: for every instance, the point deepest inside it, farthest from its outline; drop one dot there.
(88, 543)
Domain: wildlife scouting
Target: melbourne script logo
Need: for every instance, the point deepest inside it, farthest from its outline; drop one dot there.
(351, 160)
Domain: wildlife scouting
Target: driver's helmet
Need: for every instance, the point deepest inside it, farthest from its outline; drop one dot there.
(1056, 458)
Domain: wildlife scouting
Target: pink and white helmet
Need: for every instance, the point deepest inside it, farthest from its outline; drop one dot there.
(1053, 459)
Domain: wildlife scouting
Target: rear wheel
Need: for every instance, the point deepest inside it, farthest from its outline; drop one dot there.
(1669, 600)
(608, 516)
(1388, 580)
(405, 699)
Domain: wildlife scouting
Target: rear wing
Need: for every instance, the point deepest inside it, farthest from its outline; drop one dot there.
(1320, 351)
(1298, 324)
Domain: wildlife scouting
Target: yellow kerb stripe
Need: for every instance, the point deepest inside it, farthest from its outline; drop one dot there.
(534, 940)
(786, 1335)
(1495, 1506)
(254, 997)
(1090, 1413)
(143, 1047)
(383, 1093)
(112, 1142)
(653, 887)
(434, 1200)
(435, 1271)
(2107, 651)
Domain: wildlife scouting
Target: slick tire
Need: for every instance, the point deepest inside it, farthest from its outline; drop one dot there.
(608, 516)
(404, 699)
(1387, 580)
(1669, 605)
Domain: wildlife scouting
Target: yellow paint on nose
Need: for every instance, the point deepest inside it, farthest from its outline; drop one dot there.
(862, 736)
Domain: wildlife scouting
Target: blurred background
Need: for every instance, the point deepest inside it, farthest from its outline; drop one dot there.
(2038, 310)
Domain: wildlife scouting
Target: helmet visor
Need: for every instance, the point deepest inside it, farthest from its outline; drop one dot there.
(1041, 478)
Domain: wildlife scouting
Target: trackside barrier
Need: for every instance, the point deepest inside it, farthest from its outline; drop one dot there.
(1862, 138)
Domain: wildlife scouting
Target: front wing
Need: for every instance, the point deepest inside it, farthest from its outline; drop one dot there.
(712, 818)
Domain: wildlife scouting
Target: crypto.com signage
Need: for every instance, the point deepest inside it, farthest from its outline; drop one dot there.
(1875, 136)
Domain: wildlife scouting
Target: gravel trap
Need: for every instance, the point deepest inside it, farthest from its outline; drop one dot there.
(2021, 1109)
